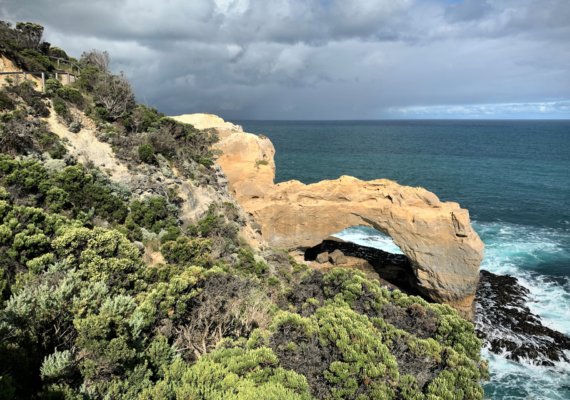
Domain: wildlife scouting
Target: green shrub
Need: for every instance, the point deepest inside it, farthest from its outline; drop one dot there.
(57, 52)
(248, 264)
(153, 213)
(36, 61)
(146, 153)
(187, 251)
(52, 85)
(87, 79)
(60, 107)
(70, 94)
(26, 91)
(102, 113)
(5, 102)
(173, 233)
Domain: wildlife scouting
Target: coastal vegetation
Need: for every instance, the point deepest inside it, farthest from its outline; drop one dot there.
(86, 313)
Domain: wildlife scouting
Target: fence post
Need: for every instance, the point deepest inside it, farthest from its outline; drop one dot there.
(58, 62)
(25, 76)
(56, 76)
(44, 81)
(68, 82)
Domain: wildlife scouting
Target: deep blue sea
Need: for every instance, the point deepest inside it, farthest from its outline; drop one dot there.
(512, 176)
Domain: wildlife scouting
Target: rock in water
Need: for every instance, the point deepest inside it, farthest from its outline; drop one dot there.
(322, 258)
(507, 326)
(337, 258)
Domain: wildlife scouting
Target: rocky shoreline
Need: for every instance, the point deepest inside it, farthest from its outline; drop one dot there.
(508, 328)
(502, 320)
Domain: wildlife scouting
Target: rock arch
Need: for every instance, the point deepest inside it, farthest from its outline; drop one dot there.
(437, 237)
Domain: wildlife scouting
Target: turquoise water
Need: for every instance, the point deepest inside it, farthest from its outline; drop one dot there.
(513, 176)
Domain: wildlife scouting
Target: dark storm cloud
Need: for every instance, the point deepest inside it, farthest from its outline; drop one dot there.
(326, 59)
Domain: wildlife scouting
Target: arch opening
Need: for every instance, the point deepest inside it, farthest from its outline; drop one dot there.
(368, 250)
(369, 237)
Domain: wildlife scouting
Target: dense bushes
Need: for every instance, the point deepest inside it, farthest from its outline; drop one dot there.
(25, 46)
(20, 134)
(5, 102)
(71, 189)
(32, 99)
(36, 61)
(85, 317)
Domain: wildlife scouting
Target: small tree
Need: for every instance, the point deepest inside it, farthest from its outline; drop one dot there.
(114, 93)
(97, 58)
(146, 153)
(29, 35)
(6, 32)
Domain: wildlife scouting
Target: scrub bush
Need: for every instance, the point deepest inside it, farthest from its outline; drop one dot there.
(5, 102)
(146, 153)
(52, 85)
(70, 94)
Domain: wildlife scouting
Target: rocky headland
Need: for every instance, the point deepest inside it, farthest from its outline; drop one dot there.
(443, 250)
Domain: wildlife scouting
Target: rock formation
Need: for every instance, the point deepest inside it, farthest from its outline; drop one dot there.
(442, 247)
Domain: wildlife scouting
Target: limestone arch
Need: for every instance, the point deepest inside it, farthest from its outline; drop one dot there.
(437, 237)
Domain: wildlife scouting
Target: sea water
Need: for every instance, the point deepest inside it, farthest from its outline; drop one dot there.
(512, 176)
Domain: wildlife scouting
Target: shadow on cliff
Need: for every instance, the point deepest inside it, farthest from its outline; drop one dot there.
(394, 269)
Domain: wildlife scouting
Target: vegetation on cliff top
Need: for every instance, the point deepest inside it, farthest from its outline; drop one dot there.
(86, 314)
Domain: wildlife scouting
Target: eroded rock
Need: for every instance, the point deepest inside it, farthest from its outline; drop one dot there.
(443, 249)
(337, 258)
(322, 258)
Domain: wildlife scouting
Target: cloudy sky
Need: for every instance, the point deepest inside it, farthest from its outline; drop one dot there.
(326, 59)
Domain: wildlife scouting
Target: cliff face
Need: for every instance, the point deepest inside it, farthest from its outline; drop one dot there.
(152, 180)
(443, 249)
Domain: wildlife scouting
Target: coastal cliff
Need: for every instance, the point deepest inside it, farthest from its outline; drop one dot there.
(444, 250)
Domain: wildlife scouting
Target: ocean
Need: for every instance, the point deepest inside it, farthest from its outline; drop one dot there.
(512, 176)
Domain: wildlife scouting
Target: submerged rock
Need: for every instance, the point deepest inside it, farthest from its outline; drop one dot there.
(509, 328)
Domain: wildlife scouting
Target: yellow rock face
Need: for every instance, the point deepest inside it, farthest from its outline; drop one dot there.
(444, 250)
(205, 121)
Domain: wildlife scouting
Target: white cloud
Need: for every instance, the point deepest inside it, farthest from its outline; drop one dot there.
(553, 109)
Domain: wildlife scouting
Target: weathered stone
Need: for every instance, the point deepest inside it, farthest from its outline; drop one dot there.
(337, 258)
(443, 249)
(143, 179)
(323, 258)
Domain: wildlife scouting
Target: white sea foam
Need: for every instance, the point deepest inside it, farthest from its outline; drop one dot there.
(511, 380)
(369, 237)
(523, 252)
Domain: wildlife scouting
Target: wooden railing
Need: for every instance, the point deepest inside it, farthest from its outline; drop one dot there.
(66, 61)
(43, 74)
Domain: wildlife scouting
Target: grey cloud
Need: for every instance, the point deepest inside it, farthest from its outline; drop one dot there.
(287, 59)
(468, 10)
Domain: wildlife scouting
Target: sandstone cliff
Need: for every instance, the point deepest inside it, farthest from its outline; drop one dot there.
(152, 180)
(437, 237)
